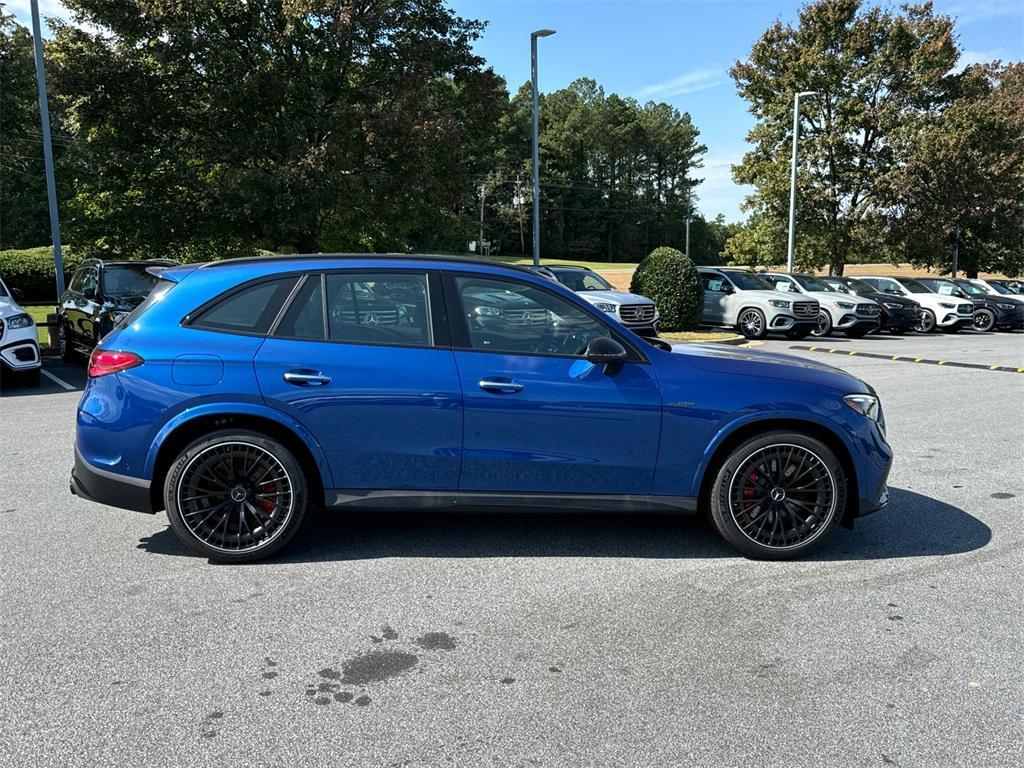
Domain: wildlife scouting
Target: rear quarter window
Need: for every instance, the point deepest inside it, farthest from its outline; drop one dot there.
(251, 309)
(158, 293)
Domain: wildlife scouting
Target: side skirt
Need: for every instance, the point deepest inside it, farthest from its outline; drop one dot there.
(519, 502)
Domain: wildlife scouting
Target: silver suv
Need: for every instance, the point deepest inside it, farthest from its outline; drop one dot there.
(636, 312)
(742, 300)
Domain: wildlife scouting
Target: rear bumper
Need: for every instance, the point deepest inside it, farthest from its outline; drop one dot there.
(110, 488)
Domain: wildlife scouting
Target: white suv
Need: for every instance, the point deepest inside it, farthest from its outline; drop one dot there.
(742, 300)
(852, 315)
(947, 313)
(19, 340)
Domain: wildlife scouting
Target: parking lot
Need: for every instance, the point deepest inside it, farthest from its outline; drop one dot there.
(522, 640)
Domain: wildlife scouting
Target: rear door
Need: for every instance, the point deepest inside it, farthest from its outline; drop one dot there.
(539, 418)
(362, 360)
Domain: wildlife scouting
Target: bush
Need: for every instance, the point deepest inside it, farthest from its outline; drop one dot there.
(670, 279)
(31, 270)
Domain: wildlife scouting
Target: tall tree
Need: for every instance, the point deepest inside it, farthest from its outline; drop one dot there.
(302, 124)
(23, 205)
(877, 73)
(962, 183)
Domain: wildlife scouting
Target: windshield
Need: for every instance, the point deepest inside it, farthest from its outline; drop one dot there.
(126, 280)
(971, 288)
(582, 280)
(3, 290)
(998, 287)
(945, 287)
(913, 286)
(746, 281)
(813, 284)
(860, 286)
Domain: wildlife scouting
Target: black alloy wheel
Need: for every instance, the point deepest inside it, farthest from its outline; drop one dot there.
(778, 496)
(984, 320)
(236, 496)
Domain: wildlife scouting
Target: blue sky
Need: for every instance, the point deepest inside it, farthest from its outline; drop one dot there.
(677, 51)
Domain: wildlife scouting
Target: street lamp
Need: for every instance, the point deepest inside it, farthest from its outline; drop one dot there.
(536, 154)
(792, 179)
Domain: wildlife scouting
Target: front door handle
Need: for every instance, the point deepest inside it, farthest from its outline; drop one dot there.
(305, 378)
(501, 385)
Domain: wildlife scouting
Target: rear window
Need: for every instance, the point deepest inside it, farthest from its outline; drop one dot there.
(155, 295)
(250, 310)
(127, 281)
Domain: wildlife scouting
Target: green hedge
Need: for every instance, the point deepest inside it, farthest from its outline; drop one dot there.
(669, 278)
(31, 270)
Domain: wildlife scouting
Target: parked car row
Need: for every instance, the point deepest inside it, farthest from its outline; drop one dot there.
(819, 306)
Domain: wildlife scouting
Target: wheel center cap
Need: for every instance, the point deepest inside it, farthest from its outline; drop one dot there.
(238, 494)
(778, 494)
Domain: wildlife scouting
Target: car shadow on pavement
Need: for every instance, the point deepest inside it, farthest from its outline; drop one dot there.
(912, 526)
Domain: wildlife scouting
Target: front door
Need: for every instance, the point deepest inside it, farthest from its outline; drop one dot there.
(357, 360)
(539, 418)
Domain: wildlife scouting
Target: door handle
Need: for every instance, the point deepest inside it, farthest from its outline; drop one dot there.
(501, 385)
(303, 378)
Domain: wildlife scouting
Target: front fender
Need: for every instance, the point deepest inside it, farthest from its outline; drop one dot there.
(240, 408)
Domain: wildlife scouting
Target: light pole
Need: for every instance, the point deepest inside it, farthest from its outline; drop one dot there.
(44, 124)
(536, 153)
(792, 178)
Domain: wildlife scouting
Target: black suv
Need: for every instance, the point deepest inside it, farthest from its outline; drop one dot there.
(99, 296)
(992, 311)
(899, 314)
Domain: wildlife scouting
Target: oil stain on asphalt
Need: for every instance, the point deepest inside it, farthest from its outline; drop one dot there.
(1002, 495)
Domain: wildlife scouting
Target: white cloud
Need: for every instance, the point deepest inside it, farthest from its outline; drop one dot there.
(688, 82)
(967, 58)
(47, 9)
(970, 11)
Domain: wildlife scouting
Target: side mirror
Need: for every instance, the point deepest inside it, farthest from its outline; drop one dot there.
(726, 288)
(605, 350)
(959, 294)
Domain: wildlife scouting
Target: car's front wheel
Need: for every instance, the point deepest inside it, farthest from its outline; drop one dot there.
(751, 323)
(236, 496)
(778, 496)
(984, 320)
(927, 322)
(824, 327)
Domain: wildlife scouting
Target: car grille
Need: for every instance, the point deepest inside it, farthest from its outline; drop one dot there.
(909, 311)
(867, 310)
(369, 317)
(965, 309)
(636, 313)
(525, 316)
(806, 309)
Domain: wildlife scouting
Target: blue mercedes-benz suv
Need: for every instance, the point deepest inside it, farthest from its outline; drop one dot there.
(242, 394)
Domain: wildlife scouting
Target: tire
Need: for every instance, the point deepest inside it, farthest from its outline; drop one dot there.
(232, 466)
(797, 335)
(789, 461)
(824, 324)
(927, 322)
(751, 323)
(67, 353)
(984, 320)
(856, 333)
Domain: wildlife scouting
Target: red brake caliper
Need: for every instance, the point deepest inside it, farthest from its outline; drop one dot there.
(748, 493)
(267, 504)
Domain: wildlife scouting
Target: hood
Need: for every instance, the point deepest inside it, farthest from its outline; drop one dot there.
(883, 298)
(827, 296)
(721, 358)
(771, 293)
(617, 297)
(9, 307)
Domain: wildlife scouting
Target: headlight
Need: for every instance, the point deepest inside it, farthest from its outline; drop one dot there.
(486, 311)
(780, 303)
(1006, 306)
(844, 305)
(865, 405)
(890, 305)
(947, 305)
(19, 321)
(609, 308)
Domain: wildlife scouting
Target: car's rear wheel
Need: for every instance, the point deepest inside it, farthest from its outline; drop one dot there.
(236, 496)
(984, 320)
(824, 327)
(67, 353)
(751, 323)
(926, 323)
(778, 496)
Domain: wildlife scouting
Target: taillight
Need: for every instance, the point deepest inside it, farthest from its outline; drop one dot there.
(103, 361)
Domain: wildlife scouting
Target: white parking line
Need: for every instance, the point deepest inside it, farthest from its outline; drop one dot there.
(58, 381)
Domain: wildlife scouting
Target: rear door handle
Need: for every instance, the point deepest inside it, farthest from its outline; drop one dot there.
(501, 385)
(304, 378)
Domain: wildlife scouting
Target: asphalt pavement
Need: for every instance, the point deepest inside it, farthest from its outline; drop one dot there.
(530, 640)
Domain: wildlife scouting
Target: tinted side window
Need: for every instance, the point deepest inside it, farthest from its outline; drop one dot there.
(305, 316)
(250, 310)
(505, 316)
(90, 282)
(379, 308)
(77, 280)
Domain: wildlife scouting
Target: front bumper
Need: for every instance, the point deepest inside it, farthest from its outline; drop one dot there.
(953, 320)
(1011, 318)
(783, 322)
(110, 488)
(900, 319)
(849, 322)
(20, 354)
